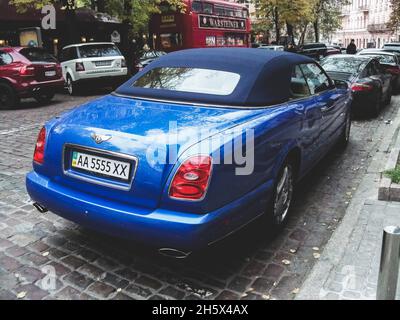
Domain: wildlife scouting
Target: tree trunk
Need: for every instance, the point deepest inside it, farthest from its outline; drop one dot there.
(70, 21)
(316, 30)
(303, 35)
(290, 33)
(101, 6)
(277, 25)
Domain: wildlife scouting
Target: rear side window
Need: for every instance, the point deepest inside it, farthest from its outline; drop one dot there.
(387, 59)
(68, 54)
(193, 80)
(37, 55)
(5, 58)
(99, 50)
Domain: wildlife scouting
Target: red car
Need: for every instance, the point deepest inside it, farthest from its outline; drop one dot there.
(27, 73)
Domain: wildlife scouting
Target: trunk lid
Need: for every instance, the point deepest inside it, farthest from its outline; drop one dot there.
(134, 128)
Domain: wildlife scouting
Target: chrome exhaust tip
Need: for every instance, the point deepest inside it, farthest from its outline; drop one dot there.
(40, 208)
(173, 253)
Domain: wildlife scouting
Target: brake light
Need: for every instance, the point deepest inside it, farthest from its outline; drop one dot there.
(192, 179)
(393, 70)
(58, 70)
(357, 87)
(38, 155)
(27, 71)
(79, 66)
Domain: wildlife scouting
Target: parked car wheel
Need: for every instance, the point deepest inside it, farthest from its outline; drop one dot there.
(44, 97)
(71, 86)
(345, 136)
(282, 197)
(8, 98)
(389, 96)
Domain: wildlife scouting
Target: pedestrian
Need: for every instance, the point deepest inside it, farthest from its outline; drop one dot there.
(351, 48)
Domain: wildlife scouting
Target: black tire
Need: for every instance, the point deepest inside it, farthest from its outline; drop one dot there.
(375, 106)
(388, 99)
(345, 135)
(71, 86)
(8, 98)
(279, 206)
(44, 97)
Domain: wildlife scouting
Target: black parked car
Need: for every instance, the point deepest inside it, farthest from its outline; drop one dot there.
(390, 61)
(146, 58)
(314, 50)
(370, 83)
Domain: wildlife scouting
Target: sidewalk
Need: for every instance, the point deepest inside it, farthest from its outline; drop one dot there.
(349, 265)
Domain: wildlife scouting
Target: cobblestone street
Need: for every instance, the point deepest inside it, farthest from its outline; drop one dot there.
(252, 264)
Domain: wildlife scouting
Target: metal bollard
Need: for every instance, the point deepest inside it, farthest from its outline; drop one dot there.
(390, 262)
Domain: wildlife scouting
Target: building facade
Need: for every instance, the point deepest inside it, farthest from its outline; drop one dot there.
(365, 21)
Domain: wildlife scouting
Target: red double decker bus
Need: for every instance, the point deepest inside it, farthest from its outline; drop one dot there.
(205, 23)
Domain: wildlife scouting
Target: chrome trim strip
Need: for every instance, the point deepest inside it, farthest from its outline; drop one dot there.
(199, 104)
(196, 104)
(105, 152)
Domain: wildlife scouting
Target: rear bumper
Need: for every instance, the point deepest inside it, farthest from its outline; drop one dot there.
(103, 80)
(93, 75)
(362, 102)
(159, 228)
(28, 89)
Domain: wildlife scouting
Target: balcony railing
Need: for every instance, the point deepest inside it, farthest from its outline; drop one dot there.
(377, 27)
(364, 8)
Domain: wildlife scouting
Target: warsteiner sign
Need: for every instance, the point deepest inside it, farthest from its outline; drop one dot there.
(212, 22)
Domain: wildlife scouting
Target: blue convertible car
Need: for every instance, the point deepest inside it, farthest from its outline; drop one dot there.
(192, 148)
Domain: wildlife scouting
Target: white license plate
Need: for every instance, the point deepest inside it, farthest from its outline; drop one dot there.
(100, 165)
(50, 73)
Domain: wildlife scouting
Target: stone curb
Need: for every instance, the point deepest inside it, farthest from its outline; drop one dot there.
(388, 190)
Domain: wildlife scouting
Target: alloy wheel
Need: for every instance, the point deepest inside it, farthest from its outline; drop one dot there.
(283, 194)
(6, 99)
(70, 86)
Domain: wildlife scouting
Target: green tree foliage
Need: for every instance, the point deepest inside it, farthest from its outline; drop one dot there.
(135, 12)
(394, 22)
(326, 17)
(295, 16)
(284, 13)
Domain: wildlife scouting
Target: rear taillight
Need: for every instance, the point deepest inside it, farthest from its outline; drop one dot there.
(38, 155)
(58, 70)
(79, 66)
(393, 70)
(27, 71)
(123, 63)
(192, 179)
(357, 87)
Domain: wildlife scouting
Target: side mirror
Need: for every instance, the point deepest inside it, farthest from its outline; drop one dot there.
(340, 84)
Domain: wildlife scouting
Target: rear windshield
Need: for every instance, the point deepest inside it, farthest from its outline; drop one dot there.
(37, 55)
(98, 50)
(193, 80)
(347, 65)
(384, 58)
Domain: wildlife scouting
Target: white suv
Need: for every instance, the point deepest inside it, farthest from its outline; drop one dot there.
(99, 62)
